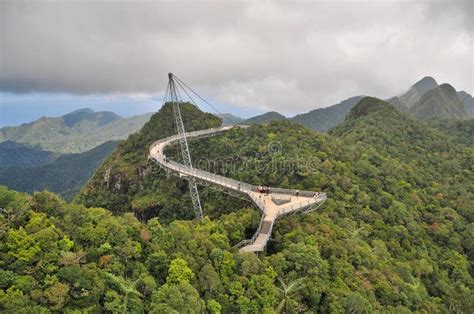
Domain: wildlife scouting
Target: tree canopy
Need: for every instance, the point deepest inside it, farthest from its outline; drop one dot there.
(396, 234)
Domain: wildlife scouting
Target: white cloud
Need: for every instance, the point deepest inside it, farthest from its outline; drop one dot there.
(286, 56)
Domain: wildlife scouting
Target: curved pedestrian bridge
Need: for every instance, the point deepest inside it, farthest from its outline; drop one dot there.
(274, 204)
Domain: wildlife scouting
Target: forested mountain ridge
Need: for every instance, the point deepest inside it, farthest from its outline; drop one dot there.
(414, 93)
(460, 131)
(65, 175)
(395, 234)
(75, 132)
(323, 119)
(230, 119)
(265, 118)
(21, 155)
(428, 100)
(125, 181)
(468, 101)
(440, 102)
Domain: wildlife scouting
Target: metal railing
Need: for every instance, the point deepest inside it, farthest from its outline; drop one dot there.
(228, 182)
(157, 154)
(254, 237)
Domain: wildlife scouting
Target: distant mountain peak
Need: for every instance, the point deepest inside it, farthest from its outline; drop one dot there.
(265, 118)
(82, 110)
(75, 132)
(468, 101)
(229, 118)
(441, 102)
(323, 119)
(369, 105)
(78, 116)
(464, 94)
(447, 87)
(425, 84)
(414, 94)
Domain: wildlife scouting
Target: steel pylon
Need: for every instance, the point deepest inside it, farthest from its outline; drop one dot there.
(183, 143)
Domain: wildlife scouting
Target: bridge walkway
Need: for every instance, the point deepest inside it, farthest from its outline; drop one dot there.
(277, 203)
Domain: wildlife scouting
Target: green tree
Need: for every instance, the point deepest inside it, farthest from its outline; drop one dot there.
(288, 291)
(177, 298)
(57, 295)
(131, 297)
(22, 246)
(179, 272)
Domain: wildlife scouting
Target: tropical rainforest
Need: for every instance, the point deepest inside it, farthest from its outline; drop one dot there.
(65, 175)
(396, 234)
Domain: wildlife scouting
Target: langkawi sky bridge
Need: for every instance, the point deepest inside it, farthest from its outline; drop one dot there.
(271, 201)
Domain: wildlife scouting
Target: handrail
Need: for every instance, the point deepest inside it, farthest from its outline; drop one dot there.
(206, 174)
(156, 153)
(254, 237)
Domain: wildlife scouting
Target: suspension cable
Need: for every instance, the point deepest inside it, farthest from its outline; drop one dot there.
(204, 100)
(184, 87)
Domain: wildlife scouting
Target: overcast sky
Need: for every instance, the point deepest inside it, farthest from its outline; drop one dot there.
(254, 55)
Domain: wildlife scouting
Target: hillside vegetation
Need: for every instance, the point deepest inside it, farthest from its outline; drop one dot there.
(65, 175)
(414, 93)
(265, 118)
(125, 181)
(441, 102)
(395, 235)
(76, 132)
(468, 102)
(461, 131)
(323, 119)
(21, 155)
(424, 100)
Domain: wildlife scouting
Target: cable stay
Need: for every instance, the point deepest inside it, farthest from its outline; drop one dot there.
(176, 89)
(273, 202)
(175, 98)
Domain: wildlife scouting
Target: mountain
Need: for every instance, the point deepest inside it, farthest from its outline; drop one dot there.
(397, 222)
(468, 102)
(265, 118)
(65, 175)
(441, 102)
(21, 155)
(414, 94)
(86, 117)
(229, 119)
(75, 132)
(125, 181)
(324, 119)
(394, 236)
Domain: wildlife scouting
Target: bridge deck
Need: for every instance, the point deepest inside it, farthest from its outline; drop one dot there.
(293, 200)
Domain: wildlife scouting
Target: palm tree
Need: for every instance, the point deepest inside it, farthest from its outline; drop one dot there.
(288, 290)
(124, 287)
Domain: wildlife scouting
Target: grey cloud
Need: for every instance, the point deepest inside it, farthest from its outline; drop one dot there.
(286, 56)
